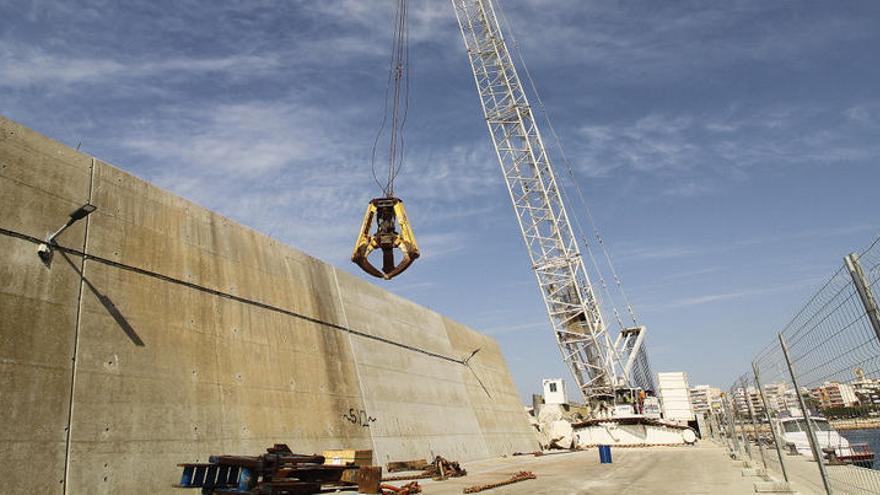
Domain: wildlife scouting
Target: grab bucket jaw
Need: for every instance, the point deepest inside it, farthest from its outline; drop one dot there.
(387, 211)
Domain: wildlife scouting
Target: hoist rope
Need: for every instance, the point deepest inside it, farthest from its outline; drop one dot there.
(595, 264)
(396, 106)
(570, 169)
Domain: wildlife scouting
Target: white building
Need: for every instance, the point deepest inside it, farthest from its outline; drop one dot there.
(554, 391)
(675, 398)
(779, 397)
(705, 399)
(748, 401)
(867, 390)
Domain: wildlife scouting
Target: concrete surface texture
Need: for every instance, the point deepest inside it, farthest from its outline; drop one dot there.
(183, 334)
(703, 469)
(803, 474)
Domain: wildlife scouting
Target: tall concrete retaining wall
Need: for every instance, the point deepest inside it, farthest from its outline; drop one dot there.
(164, 333)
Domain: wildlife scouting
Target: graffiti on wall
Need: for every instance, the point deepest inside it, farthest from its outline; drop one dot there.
(358, 417)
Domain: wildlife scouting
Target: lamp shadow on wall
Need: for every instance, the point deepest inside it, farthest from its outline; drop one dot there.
(109, 306)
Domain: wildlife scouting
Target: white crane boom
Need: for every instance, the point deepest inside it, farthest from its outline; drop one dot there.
(599, 367)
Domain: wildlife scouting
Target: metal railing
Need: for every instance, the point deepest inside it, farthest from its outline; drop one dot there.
(818, 377)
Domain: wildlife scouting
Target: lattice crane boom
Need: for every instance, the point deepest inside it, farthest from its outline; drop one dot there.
(599, 367)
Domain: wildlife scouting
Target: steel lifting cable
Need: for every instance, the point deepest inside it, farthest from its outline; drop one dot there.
(386, 214)
(595, 265)
(577, 222)
(570, 169)
(396, 101)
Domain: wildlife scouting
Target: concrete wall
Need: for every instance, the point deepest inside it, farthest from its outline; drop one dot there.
(110, 376)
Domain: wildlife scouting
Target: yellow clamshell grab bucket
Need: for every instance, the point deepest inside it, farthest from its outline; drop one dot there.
(387, 211)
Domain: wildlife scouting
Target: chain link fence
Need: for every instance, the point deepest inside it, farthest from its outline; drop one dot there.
(814, 391)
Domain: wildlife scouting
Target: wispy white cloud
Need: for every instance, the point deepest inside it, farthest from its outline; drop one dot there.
(688, 189)
(865, 113)
(298, 169)
(693, 151)
(30, 66)
(246, 138)
(741, 293)
(429, 21)
(807, 234)
(621, 41)
(658, 252)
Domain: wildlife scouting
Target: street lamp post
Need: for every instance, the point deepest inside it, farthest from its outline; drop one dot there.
(45, 249)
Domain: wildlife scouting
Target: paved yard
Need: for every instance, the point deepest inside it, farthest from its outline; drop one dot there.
(703, 469)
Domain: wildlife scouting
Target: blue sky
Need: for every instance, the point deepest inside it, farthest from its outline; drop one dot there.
(728, 149)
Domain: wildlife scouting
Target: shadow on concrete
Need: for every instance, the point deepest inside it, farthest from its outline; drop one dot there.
(109, 306)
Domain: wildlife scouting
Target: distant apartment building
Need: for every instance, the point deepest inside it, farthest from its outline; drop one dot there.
(867, 390)
(774, 394)
(868, 394)
(779, 397)
(739, 401)
(747, 401)
(716, 403)
(705, 399)
(833, 394)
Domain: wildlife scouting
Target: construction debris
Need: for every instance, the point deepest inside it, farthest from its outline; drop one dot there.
(347, 457)
(407, 489)
(350, 458)
(369, 478)
(438, 470)
(443, 469)
(277, 472)
(520, 476)
(415, 465)
(536, 453)
(409, 477)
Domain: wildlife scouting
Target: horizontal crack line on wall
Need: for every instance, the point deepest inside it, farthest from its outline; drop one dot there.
(226, 295)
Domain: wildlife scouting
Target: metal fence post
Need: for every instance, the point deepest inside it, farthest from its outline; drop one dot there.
(742, 430)
(716, 426)
(811, 434)
(731, 429)
(769, 421)
(864, 289)
(754, 424)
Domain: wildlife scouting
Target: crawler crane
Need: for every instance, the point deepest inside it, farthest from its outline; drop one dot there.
(604, 370)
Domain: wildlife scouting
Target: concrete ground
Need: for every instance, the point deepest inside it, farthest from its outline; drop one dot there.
(657, 470)
(804, 476)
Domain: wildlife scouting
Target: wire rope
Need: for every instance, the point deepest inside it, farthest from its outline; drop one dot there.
(582, 200)
(397, 100)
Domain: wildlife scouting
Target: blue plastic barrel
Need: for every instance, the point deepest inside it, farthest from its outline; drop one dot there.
(605, 454)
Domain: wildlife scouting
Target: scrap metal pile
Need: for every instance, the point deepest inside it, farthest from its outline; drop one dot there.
(407, 489)
(438, 470)
(277, 472)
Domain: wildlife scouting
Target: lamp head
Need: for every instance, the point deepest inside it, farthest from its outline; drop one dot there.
(83, 211)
